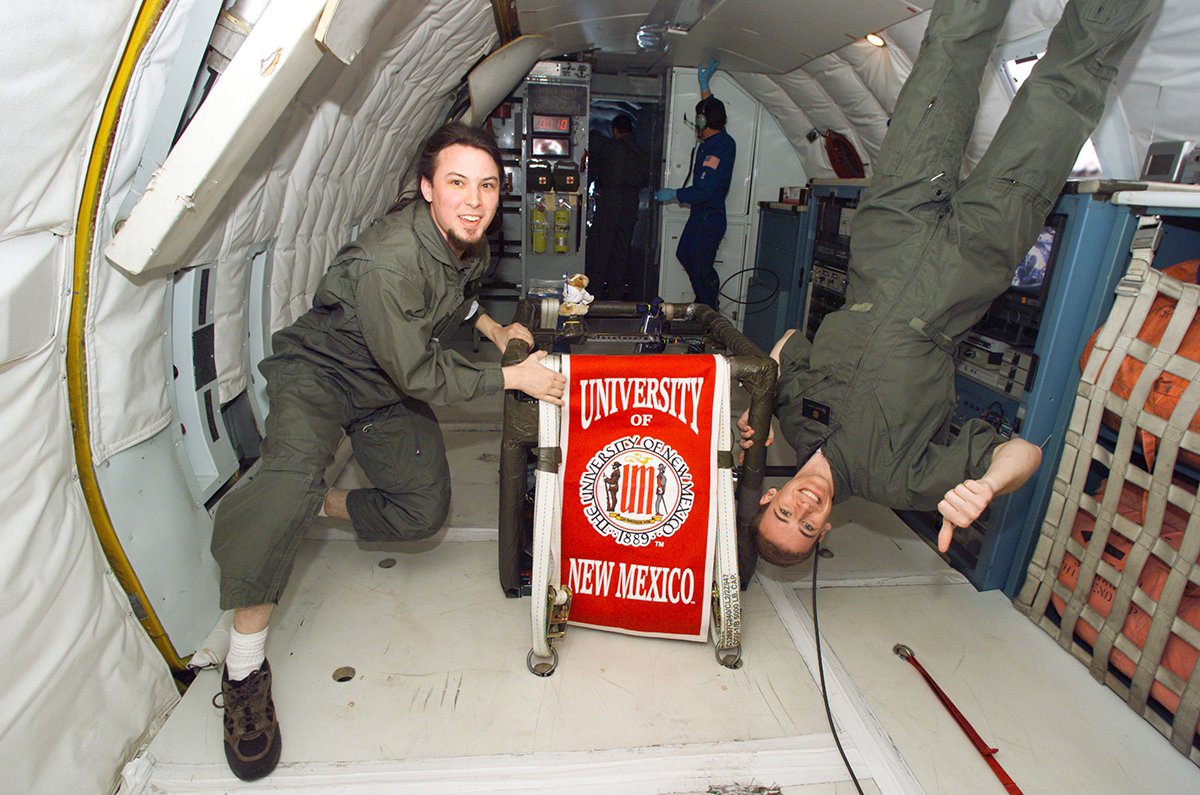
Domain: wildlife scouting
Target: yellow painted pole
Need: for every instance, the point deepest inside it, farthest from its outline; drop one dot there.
(77, 385)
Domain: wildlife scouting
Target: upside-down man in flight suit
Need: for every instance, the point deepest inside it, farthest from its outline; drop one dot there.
(366, 359)
(866, 404)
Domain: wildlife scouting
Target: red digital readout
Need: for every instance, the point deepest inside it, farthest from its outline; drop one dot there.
(561, 124)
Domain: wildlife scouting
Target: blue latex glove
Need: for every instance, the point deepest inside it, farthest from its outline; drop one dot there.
(665, 195)
(705, 74)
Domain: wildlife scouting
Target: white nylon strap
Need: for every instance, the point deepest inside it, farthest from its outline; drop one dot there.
(727, 614)
(547, 521)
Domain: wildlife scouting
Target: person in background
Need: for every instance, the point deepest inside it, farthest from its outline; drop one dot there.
(366, 360)
(620, 169)
(710, 178)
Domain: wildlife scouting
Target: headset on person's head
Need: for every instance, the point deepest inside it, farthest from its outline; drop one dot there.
(710, 113)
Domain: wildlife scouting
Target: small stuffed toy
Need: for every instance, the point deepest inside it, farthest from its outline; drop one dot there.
(575, 296)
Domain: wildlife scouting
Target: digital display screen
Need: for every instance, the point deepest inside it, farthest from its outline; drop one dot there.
(551, 124)
(543, 146)
(1030, 277)
(1159, 165)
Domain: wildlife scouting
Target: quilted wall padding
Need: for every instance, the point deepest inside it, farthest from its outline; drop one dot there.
(83, 683)
(854, 89)
(332, 161)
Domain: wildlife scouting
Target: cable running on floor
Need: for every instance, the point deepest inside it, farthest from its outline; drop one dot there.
(821, 672)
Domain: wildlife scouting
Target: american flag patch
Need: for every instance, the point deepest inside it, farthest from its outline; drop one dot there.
(712, 161)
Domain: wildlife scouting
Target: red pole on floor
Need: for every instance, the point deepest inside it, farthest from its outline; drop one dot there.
(988, 753)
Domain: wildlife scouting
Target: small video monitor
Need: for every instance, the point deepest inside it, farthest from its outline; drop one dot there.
(1031, 276)
(548, 146)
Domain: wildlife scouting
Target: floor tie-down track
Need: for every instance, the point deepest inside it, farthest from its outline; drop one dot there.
(531, 520)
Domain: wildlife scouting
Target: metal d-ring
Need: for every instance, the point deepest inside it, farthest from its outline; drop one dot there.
(732, 660)
(902, 651)
(542, 668)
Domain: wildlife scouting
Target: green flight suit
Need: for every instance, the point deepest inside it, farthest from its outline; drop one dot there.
(928, 255)
(366, 360)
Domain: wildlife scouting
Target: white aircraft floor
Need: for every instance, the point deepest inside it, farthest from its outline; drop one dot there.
(441, 701)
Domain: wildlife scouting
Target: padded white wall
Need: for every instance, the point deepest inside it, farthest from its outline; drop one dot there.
(83, 684)
(854, 89)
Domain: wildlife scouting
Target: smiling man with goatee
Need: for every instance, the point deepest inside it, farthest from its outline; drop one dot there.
(367, 360)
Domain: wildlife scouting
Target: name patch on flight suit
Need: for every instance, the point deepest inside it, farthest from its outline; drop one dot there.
(818, 412)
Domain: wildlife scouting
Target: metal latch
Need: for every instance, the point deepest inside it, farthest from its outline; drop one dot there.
(1141, 251)
(559, 604)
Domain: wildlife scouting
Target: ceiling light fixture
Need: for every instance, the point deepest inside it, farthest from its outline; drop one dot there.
(875, 39)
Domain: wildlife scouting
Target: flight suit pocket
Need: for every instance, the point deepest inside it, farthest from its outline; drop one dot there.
(934, 335)
(907, 420)
(399, 453)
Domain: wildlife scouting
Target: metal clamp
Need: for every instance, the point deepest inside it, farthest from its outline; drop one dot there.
(557, 613)
(1141, 250)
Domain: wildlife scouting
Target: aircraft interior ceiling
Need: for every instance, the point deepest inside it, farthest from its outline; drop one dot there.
(109, 205)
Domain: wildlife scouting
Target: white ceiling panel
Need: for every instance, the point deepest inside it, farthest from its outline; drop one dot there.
(764, 36)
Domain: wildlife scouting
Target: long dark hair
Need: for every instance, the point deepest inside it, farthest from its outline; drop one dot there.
(448, 135)
(455, 133)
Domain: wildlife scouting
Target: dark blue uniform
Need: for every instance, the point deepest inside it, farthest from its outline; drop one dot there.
(706, 224)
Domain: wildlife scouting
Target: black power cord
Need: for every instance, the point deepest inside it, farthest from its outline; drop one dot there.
(821, 673)
(774, 289)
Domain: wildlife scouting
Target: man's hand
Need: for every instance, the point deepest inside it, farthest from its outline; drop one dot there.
(665, 195)
(704, 74)
(502, 335)
(747, 433)
(535, 379)
(513, 331)
(960, 507)
(1013, 463)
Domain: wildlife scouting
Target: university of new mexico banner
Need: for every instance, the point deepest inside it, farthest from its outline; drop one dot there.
(638, 517)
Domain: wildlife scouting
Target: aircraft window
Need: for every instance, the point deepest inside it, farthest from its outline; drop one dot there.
(1087, 166)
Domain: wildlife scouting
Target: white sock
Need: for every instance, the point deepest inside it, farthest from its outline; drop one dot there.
(246, 654)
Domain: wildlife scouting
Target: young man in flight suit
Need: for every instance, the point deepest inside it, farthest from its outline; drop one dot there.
(711, 174)
(366, 359)
(865, 405)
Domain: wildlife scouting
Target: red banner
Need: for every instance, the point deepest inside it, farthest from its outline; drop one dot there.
(638, 482)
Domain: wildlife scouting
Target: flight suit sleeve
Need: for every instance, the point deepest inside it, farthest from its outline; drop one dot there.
(795, 381)
(599, 146)
(397, 319)
(941, 467)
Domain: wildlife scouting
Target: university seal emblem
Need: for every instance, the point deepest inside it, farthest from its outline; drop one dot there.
(636, 489)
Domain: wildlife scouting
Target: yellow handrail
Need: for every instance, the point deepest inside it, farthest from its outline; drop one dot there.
(77, 385)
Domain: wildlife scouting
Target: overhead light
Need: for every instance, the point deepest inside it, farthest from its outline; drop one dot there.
(875, 39)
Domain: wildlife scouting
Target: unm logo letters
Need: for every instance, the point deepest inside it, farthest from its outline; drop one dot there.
(676, 397)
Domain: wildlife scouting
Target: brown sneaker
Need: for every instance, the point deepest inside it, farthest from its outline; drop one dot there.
(252, 741)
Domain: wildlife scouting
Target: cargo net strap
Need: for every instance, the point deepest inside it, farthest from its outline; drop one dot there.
(667, 489)
(1118, 565)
